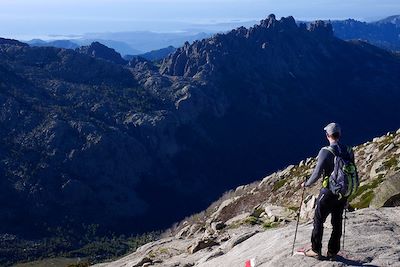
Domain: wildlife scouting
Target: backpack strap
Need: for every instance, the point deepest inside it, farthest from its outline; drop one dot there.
(350, 152)
(325, 180)
(330, 149)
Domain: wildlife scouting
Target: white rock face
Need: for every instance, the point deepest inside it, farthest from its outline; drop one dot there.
(380, 247)
(377, 169)
(389, 188)
(279, 212)
(238, 218)
(372, 238)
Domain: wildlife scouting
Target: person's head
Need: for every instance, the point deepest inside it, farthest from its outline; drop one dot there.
(332, 131)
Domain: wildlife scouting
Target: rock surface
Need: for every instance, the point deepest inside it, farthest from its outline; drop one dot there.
(372, 239)
(385, 194)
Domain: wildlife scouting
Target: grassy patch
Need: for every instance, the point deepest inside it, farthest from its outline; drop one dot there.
(279, 184)
(152, 254)
(293, 208)
(235, 225)
(299, 171)
(252, 220)
(392, 162)
(365, 200)
(164, 251)
(370, 186)
(269, 225)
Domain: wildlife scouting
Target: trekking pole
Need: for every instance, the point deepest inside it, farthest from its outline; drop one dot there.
(298, 215)
(344, 224)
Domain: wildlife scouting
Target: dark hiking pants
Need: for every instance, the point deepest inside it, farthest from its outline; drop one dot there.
(328, 203)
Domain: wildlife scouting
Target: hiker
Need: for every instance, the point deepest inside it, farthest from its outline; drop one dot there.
(331, 200)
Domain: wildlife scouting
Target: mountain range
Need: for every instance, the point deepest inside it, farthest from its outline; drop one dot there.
(135, 147)
(154, 55)
(383, 33)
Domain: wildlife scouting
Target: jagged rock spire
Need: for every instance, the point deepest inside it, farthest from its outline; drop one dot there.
(201, 57)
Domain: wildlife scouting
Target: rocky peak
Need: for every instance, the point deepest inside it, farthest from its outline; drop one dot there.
(253, 45)
(99, 50)
(271, 22)
(321, 28)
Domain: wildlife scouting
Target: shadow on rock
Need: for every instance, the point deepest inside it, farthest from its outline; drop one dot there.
(351, 262)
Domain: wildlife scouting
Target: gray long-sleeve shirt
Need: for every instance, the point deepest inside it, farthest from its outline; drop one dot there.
(325, 163)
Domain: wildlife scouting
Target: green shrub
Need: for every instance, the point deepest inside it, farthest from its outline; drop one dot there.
(269, 225)
(294, 208)
(370, 186)
(252, 220)
(257, 212)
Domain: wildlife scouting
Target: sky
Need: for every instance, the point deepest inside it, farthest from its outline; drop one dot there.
(40, 18)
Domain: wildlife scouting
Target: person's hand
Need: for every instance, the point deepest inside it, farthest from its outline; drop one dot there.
(303, 184)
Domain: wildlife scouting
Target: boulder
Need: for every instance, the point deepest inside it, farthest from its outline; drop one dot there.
(307, 208)
(140, 261)
(389, 147)
(221, 207)
(193, 229)
(387, 193)
(201, 244)
(183, 232)
(279, 212)
(210, 256)
(239, 239)
(217, 225)
(237, 218)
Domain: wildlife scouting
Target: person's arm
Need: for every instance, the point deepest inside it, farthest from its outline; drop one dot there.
(319, 169)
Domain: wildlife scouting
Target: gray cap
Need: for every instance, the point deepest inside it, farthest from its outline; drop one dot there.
(332, 128)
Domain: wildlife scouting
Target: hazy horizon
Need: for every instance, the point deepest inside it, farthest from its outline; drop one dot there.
(21, 19)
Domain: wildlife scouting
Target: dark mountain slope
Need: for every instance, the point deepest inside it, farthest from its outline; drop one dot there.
(63, 139)
(4, 41)
(154, 55)
(270, 90)
(99, 50)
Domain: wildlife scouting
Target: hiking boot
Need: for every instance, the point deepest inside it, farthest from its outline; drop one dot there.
(330, 255)
(311, 253)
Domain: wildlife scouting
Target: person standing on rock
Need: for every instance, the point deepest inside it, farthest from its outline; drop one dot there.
(328, 202)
